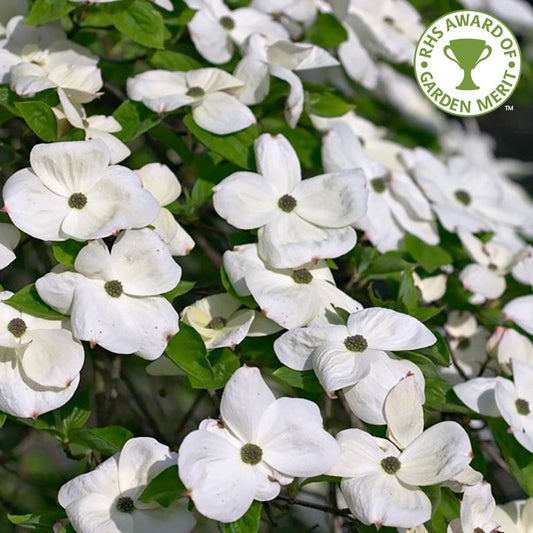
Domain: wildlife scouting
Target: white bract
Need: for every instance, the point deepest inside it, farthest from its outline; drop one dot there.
(95, 127)
(517, 13)
(8, 10)
(381, 478)
(477, 511)
(485, 278)
(219, 321)
(33, 59)
(9, 239)
(299, 221)
(520, 311)
(293, 14)
(211, 93)
(515, 516)
(40, 363)
(342, 355)
(395, 204)
(507, 344)
(214, 28)
(515, 400)
(165, 4)
(290, 297)
(432, 288)
(164, 186)
(71, 192)
(107, 499)
(523, 269)
(279, 59)
(114, 297)
(258, 444)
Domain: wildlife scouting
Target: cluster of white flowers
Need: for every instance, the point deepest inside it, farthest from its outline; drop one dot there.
(113, 292)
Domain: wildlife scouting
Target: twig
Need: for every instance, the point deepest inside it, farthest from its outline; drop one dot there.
(208, 250)
(318, 506)
(189, 413)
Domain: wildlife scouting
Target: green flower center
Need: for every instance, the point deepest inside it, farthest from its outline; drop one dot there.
(113, 288)
(227, 23)
(479, 530)
(356, 343)
(77, 201)
(391, 464)
(463, 197)
(287, 203)
(302, 275)
(251, 454)
(125, 504)
(217, 322)
(17, 327)
(522, 407)
(195, 92)
(378, 184)
(464, 343)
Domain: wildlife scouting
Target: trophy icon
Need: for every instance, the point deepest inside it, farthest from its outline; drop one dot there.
(468, 54)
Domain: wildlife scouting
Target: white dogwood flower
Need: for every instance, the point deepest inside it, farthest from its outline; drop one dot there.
(9, 239)
(214, 28)
(40, 363)
(341, 355)
(485, 278)
(33, 59)
(114, 297)
(382, 479)
(211, 93)
(258, 445)
(107, 499)
(299, 220)
(95, 127)
(71, 192)
(290, 297)
(477, 511)
(280, 60)
(395, 204)
(164, 186)
(507, 344)
(218, 320)
(515, 516)
(515, 401)
(523, 269)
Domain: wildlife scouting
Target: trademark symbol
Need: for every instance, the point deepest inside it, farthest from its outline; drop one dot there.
(509, 107)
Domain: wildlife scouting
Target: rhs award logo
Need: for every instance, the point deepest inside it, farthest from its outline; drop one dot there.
(468, 63)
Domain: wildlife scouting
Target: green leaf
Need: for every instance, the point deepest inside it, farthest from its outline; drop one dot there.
(439, 353)
(388, 263)
(305, 380)
(108, 440)
(169, 60)
(43, 521)
(520, 460)
(135, 119)
(164, 489)
(235, 147)
(3, 418)
(181, 288)
(407, 293)
(65, 252)
(76, 412)
(44, 11)
(326, 104)
(345, 315)
(249, 523)
(430, 258)
(28, 301)
(142, 22)
(224, 363)
(40, 118)
(327, 31)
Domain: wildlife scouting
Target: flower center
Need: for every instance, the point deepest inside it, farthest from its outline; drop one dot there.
(356, 343)
(77, 201)
(391, 464)
(479, 530)
(251, 454)
(492, 266)
(522, 407)
(195, 92)
(125, 504)
(378, 184)
(464, 343)
(17, 327)
(227, 23)
(217, 322)
(302, 275)
(287, 203)
(113, 288)
(463, 197)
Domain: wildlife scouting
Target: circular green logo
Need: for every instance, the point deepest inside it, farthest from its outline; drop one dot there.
(468, 63)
